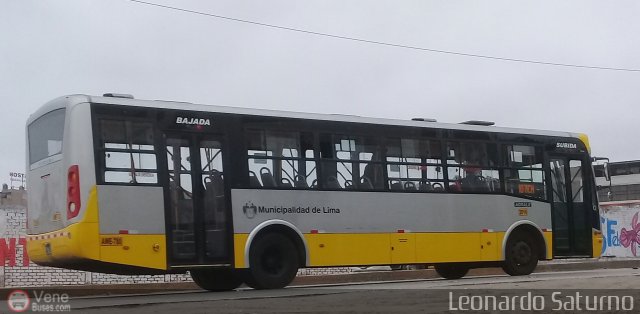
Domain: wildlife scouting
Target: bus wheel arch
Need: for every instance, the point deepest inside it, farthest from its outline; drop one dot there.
(273, 255)
(279, 226)
(522, 247)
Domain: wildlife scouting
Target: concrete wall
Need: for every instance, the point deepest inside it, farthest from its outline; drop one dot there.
(620, 228)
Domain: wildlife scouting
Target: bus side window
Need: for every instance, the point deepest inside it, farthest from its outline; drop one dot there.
(351, 162)
(414, 165)
(523, 173)
(473, 167)
(281, 159)
(128, 152)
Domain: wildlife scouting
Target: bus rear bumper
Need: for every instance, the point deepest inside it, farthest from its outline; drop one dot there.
(75, 242)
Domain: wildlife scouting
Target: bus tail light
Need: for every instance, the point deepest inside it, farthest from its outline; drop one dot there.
(73, 192)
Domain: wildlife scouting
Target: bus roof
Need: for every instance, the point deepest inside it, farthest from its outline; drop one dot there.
(71, 100)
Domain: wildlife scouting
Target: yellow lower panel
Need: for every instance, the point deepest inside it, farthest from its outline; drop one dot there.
(403, 248)
(239, 243)
(448, 247)
(348, 249)
(144, 250)
(407, 248)
(597, 243)
(491, 246)
(397, 248)
(548, 237)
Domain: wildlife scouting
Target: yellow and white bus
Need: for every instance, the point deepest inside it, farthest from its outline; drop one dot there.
(249, 196)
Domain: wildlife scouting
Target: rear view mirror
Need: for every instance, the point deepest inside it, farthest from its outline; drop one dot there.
(605, 167)
(607, 172)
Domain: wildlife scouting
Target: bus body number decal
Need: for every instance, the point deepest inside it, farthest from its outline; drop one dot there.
(111, 241)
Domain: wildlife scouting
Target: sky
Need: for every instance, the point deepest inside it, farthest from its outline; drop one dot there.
(53, 48)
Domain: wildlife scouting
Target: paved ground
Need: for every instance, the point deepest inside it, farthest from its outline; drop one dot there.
(407, 296)
(377, 273)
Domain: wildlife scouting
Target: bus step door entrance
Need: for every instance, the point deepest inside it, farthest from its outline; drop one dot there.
(196, 202)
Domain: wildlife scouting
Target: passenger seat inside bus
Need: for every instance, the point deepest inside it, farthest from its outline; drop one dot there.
(474, 183)
(332, 183)
(396, 186)
(286, 183)
(365, 183)
(425, 186)
(268, 181)
(301, 182)
(410, 186)
(253, 180)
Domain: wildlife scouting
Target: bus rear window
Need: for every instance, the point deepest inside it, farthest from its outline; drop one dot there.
(45, 136)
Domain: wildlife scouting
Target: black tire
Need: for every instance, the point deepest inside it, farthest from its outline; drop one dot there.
(273, 262)
(398, 267)
(216, 279)
(521, 255)
(451, 270)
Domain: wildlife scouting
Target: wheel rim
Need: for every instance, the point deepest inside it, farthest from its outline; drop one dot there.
(522, 253)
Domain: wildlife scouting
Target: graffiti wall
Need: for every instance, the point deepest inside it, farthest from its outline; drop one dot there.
(620, 228)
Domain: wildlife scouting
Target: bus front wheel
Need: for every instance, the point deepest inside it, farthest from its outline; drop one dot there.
(216, 279)
(273, 262)
(521, 255)
(451, 271)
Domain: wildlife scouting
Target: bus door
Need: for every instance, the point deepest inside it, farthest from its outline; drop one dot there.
(196, 206)
(570, 206)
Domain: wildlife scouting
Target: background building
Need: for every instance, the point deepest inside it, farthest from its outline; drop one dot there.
(13, 197)
(625, 181)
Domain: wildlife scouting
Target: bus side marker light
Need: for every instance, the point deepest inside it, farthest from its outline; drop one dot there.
(156, 247)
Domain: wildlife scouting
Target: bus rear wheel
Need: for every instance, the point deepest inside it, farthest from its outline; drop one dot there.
(273, 262)
(216, 279)
(521, 255)
(451, 270)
